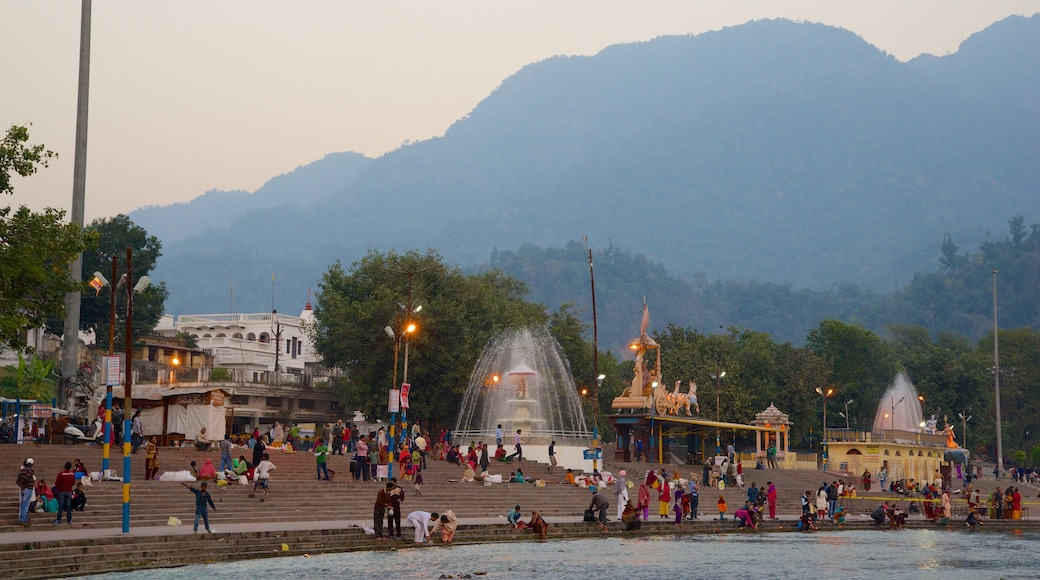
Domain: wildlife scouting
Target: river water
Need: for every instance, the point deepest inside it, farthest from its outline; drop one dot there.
(849, 555)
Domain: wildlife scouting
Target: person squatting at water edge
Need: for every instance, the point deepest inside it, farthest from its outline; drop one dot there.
(420, 521)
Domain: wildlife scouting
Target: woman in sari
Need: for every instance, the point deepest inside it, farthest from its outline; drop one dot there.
(664, 498)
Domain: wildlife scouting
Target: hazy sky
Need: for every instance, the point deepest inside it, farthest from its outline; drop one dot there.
(194, 95)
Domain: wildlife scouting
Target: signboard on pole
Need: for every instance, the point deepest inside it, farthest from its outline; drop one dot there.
(592, 454)
(395, 401)
(405, 387)
(111, 371)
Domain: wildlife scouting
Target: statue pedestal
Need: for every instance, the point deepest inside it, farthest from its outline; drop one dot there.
(522, 416)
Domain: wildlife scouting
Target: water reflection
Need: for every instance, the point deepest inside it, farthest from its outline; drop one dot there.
(851, 555)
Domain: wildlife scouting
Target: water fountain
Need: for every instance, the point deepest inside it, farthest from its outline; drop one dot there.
(899, 409)
(522, 381)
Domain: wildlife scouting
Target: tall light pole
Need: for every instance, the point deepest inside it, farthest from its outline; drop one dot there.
(408, 316)
(823, 439)
(99, 282)
(595, 426)
(846, 413)
(408, 329)
(996, 379)
(128, 379)
(964, 429)
(717, 376)
(894, 403)
(595, 357)
(70, 342)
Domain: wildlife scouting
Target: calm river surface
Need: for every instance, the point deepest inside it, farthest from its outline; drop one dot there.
(848, 555)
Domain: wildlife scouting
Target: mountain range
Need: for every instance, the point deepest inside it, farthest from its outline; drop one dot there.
(778, 151)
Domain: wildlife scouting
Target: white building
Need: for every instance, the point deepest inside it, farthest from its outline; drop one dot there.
(257, 342)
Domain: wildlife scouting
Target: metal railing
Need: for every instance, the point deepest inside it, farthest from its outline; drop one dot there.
(579, 438)
(886, 435)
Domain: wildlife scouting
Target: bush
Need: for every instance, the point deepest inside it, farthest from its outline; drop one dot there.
(220, 375)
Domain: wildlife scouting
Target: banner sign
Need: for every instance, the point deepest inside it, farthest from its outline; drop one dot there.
(111, 371)
(592, 453)
(405, 387)
(395, 401)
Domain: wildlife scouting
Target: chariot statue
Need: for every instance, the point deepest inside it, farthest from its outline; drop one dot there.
(647, 389)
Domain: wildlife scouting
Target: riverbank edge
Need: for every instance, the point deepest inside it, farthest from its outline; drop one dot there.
(114, 554)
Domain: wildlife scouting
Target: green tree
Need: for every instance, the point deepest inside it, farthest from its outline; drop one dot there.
(114, 236)
(17, 158)
(1019, 402)
(34, 379)
(862, 364)
(35, 249)
(459, 316)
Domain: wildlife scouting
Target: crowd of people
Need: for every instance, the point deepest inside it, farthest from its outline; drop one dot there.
(65, 496)
(677, 497)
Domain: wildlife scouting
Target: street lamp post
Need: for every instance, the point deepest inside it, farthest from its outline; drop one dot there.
(405, 333)
(717, 376)
(595, 361)
(595, 425)
(964, 429)
(128, 379)
(846, 413)
(893, 415)
(99, 282)
(823, 438)
(996, 379)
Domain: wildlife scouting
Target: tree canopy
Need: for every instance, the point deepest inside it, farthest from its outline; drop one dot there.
(459, 315)
(35, 248)
(114, 236)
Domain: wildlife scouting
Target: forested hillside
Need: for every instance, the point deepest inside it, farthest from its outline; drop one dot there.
(956, 296)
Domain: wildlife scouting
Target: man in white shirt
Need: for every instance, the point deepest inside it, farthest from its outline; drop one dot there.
(498, 435)
(263, 476)
(421, 522)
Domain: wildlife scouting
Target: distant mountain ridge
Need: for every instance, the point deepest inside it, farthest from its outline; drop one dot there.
(215, 209)
(785, 152)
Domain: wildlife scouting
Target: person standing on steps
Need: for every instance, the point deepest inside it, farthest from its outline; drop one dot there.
(136, 432)
(263, 476)
(620, 492)
(379, 511)
(393, 515)
(26, 482)
(771, 499)
(518, 450)
(552, 456)
(321, 457)
(226, 447)
(694, 494)
(64, 483)
(258, 451)
(337, 437)
(498, 434)
(203, 501)
(151, 460)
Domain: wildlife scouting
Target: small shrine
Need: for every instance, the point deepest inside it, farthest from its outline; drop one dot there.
(773, 442)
